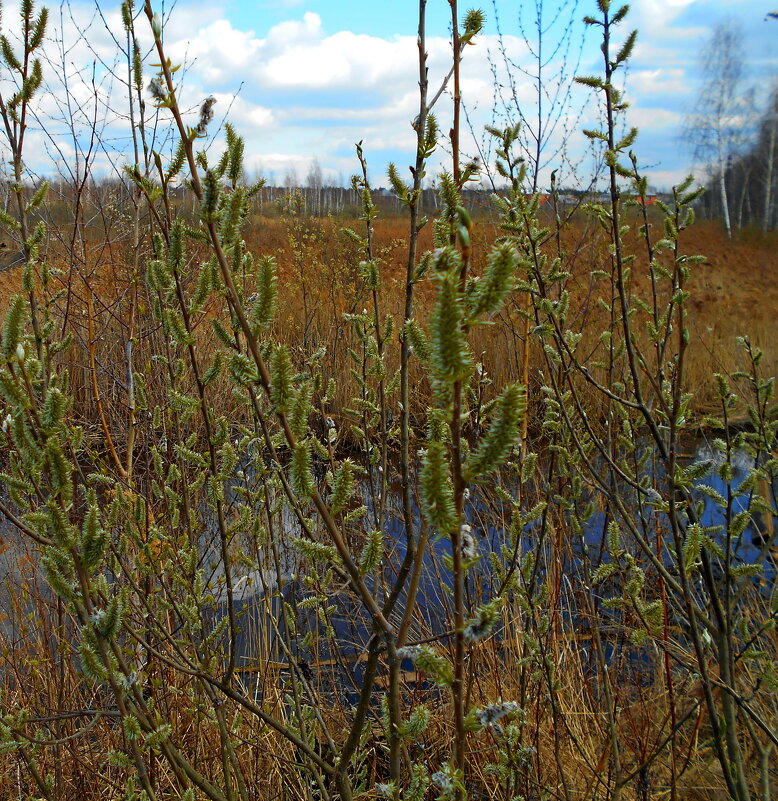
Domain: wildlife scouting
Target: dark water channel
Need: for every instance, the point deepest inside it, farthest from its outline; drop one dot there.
(340, 655)
(258, 596)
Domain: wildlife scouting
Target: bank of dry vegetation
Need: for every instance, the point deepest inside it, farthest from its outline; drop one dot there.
(411, 512)
(320, 282)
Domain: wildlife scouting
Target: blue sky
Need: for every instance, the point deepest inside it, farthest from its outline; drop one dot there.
(304, 80)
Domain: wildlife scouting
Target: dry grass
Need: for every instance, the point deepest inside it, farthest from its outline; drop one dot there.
(733, 294)
(564, 730)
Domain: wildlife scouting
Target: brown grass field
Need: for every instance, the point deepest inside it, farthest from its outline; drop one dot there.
(734, 293)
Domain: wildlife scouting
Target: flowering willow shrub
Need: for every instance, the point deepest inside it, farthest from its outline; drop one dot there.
(670, 578)
(226, 467)
(124, 523)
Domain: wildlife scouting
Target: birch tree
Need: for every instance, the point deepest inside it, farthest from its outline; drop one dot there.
(714, 127)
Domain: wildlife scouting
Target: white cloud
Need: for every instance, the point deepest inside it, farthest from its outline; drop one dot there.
(652, 15)
(342, 61)
(652, 119)
(299, 55)
(244, 114)
(659, 82)
(664, 180)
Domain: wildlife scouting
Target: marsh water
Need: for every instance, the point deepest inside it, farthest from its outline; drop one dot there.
(344, 628)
